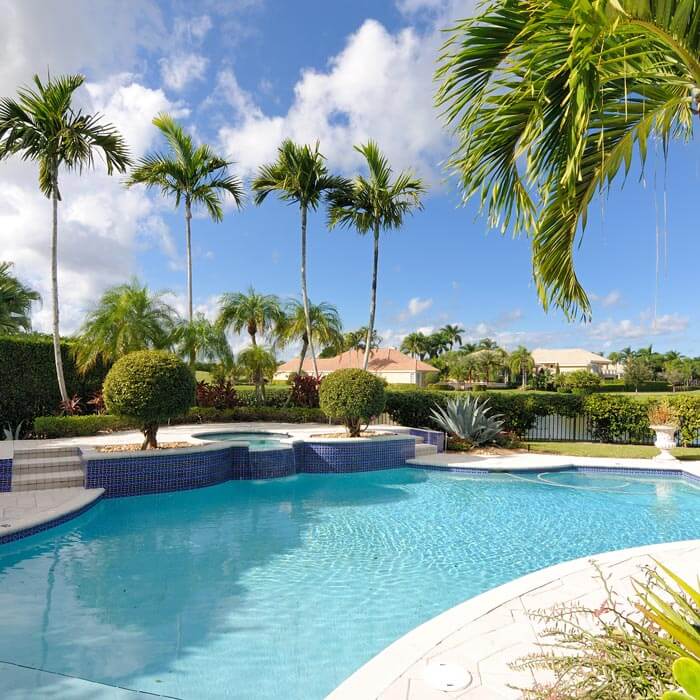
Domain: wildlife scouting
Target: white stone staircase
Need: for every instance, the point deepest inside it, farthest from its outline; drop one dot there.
(47, 468)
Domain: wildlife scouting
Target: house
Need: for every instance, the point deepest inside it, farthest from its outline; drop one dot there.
(566, 360)
(387, 363)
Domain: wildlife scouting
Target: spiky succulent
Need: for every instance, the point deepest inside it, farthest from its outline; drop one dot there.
(469, 419)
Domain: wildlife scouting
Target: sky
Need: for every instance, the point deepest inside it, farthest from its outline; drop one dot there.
(242, 75)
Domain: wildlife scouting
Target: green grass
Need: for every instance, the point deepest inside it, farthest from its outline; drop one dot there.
(600, 449)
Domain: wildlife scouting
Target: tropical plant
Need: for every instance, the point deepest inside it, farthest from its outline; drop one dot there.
(326, 327)
(191, 174)
(549, 100)
(221, 394)
(637, 371)
(469, 419)
(678, 371)
(581, 381)
(15, 302)
(452, 334)
(521, 362)
(9, 434)
(72, 407)
(304, 391)
(353, 396)
(299, 176)
(372, 204)
(260, 363)
(357, 340)
(662, 413)
(415, 344)
(42, 126)
(489, 362)
(128, 317)
(686, 672)
(253, 312)
(149, 387)
(200, 339)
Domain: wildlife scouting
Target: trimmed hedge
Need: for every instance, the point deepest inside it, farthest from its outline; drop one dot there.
(79, 426)
(28, 386)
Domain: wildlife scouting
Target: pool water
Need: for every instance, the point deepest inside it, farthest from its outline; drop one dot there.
(257, 440)
(281, 589)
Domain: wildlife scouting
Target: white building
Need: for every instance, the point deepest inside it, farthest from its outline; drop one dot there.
(566, 360)
(388, 363)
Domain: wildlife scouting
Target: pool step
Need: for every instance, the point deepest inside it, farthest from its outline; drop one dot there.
(423, 450)
(47, 468)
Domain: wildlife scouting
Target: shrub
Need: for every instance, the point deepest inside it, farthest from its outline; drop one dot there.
(353, 396)
(149, 386)
(254, 413)
(304, 391)
(618, 418)
(581, 381)
(79, 426)
(469, 419)
(275, 395)
(221, 394)
(28, 386)
(687, 410)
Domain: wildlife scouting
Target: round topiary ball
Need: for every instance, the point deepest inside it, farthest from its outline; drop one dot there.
(150, 386)
(353, 396)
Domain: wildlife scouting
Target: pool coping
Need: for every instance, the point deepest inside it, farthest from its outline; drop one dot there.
(381, 671)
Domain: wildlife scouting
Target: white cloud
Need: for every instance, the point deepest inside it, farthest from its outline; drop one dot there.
(645, 326)
(610, 299)
(417, 305)
(192, 29)
(181, 69)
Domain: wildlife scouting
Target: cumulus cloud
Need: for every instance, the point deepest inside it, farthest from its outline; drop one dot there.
(181, 69)
(645, 326)
(417, 305)
(610, 299)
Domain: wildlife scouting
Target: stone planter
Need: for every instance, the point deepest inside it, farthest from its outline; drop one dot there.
(665, 441)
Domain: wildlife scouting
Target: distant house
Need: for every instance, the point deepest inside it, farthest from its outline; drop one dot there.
(566, 360)
(388, 363)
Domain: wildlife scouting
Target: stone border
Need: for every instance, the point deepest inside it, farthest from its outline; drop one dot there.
(375, 676)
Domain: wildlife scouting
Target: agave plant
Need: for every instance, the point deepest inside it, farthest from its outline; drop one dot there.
(469, 419)
(9, 434)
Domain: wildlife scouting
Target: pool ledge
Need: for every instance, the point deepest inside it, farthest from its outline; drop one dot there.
(484, 634)
(25, 513)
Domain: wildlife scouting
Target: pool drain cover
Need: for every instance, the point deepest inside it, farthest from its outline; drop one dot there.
(447, 677)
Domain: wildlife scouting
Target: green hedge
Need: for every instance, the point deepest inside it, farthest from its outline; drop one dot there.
(79, 426)
(28, 386)
(609, 387)
(275, 395)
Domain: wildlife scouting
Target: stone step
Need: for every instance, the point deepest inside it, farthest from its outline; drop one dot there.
(32, 453)
(49, 480)
(42, 463)
(425, 450)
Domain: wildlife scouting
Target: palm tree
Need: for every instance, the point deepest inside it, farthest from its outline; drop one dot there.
(521, 362)
(15, 302)
(43, 126)
(436, 344)
(375, 203)
(299, 175)
(253, 312)
(326, 327)
(260, 363)
(189, 173)
(549, 100)
(127, 318)
(204, 340)
(415, 344)
(452, 334)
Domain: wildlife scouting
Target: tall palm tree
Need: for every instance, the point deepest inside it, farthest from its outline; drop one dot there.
(204, 340)
(42, 125)
(16, 301)
(260, 363)
(326, 327)
(521, 362)
(372, 204)
(452, 334)
(550, 98)
(253, 312)
(191, 174)
(415, 344)
(299, 175)
(128, 317)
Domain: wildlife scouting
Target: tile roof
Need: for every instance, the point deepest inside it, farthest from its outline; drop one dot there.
(381, 360)
(568, 357)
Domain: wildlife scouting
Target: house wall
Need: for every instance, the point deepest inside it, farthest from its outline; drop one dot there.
(417, 378)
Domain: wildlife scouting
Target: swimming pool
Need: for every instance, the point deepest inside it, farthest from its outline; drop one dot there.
(281, 589)
(257, 440)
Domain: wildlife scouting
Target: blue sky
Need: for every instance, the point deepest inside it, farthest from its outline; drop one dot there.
(242, 75)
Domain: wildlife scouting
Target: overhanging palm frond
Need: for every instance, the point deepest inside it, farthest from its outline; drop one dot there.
(550, 99)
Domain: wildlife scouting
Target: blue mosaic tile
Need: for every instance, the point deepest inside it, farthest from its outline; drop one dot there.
(240, 463)
(272, 464)
(5, 474)
(343, 457)
(132, 476)
(430, 437)
(20, 534)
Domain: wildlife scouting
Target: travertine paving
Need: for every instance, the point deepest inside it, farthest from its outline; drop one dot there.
(482, 636)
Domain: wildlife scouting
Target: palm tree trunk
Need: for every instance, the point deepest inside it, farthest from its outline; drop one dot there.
(188, 238)
(54, 288)
(304, 294)
(524, 373)
(302, 356)
(373, 302)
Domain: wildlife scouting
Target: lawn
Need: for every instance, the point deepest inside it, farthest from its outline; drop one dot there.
(600, 449)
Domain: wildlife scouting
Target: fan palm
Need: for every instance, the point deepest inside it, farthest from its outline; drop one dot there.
(191, 174)
(452, 334)
(201, 339)
(253, 312)
(326, 327)
(260, 364)
(375, 203)
(550, 98)
(299, 176)
(15, 302)
(42, 125)
(521, 362)
(127, 318)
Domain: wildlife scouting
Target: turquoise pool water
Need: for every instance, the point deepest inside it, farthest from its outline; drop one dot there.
(257, 440)
(281, 589)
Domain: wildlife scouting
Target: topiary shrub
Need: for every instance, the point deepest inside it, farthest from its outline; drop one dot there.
(149, 386)
(353, 396)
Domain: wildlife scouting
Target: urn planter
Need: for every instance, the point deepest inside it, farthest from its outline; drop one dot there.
(665, 441)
